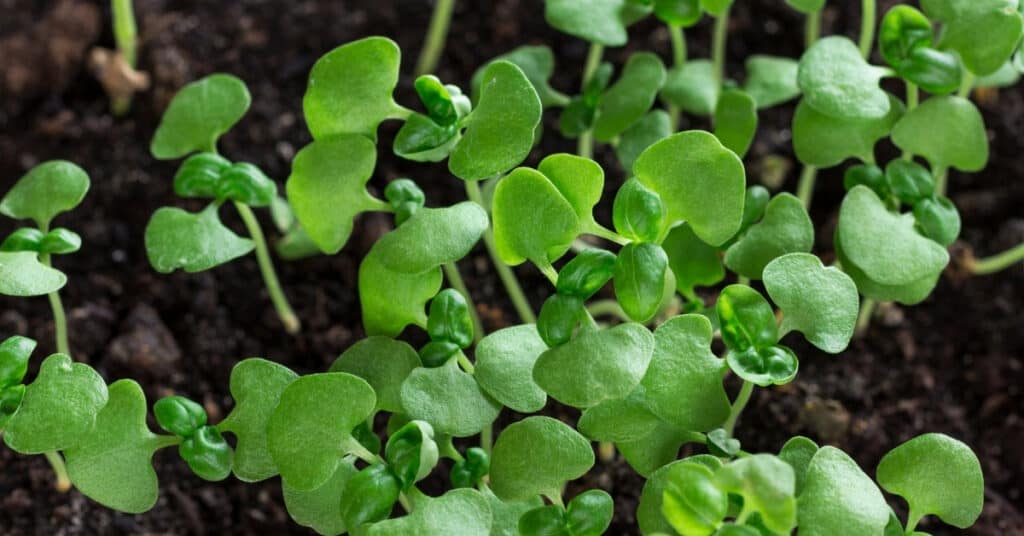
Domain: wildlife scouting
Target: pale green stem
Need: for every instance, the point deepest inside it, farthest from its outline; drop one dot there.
(125, 37)
(913, 97)
(550, 273)
(812, 28)
(555, 498)
(585, 143)
(805, 186)
(743, 280)
(436, 36)
(867, 310)
(508, 278)
(941, 174)
(451, 271)
(465, 363)
(718, 45)
(284, 309)
(867, 27)
(737, 407)
(966, 84)
(60, 321)
(607, 308)
(487, 438)
(602, 232)
(675, 33)
(57, 462)
(606, 451)
(995, 263)
(913, 518)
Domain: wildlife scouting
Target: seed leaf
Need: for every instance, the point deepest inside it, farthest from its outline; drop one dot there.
(504, 367)
(45, 191)
(785, 228)
(823, 141)
(597, 21)
(946, 131)
(715, 8)
(384, 363)
(692, 87)
(961, 20)
(422, 140)
(619, 419)
(646, 454)
(198, 115)
(538, 64)
(392, 300)
(320, 509)
(432, 237)
(798, 453)
(700, 181)
(449, 399)
(537, 455)
(736, 120)
(651, 128)
(21, 274)
(838, 82)
(693, 262)
(838, 498)
(630, 97)
(580, 180)
(192, 241)
(459, 511)
(771, 80)
(532, 219)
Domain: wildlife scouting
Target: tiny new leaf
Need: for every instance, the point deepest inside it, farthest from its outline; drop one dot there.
(504, 367)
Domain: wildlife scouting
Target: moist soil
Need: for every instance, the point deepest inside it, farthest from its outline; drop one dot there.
(952, 364)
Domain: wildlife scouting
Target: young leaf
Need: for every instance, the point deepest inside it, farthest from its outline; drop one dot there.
(771, 80)
(838, 498)
(747, 319)
(59, 409)
(194, 242)
(715, 8)
(256, 385)
(649, 510)
(596, 365)
(504, 367)
(638, 213)
(938, 219)
(371, 495)
(580, 180)
(619, 419)
(785, 228)
(532, 220)
(14, 356)
(767, 485)
(838, 82)
(937, 475)
(432, 237)
(651, 128)
(586, 273)
(682, 13)
(384, 363)
(537, 455)
(646, 454)
(421, 139)
(597, 21)
(198, 115)
(589, 513)
(691, 502)
(538, 64)
(113, 464)
(179, 415)
(392, 300)
(823, 141)
(558, 318)
(1001, 21)
(798, 453)
(310, 428)
(909, 181)
(736, 120)
(630, 97)
(449, 399)
(326, 197)
(320, 509)
(820, 302)
(459, 511)
(946, 131)
(208, 454)
(640, 272)
(693, 87)
(21, 274)
(411, 453)
(693, 262)
(700, 181)
(350, 88)
(499, 132)
(45, 191)
(506, 514)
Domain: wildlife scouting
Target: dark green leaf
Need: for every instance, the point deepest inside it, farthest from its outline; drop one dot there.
(449, 319)
(14, 355)
(422, 140)
(207, 454)
(868, 175)
(543, 521)
(179, 415)
(199, 174)
(411, 453)
(682, 13)
(903, 29)
(504, 367)
(693, 262)
(370, 495)
(586, 273)
(909, 181)
(589, 513)
(638, 213)
(1001, 21)
(651, 128)
(246, 183)
(747, 320)
(775, 365)
(938, 219)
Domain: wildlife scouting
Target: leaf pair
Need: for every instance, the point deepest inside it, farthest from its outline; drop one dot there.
(611, 111)
(587, 514)
(905, 39)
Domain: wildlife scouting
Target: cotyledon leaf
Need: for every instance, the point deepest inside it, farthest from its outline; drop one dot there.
(537, 455)
(771, 80)
(946, 131)
(392, 300)
(532, 219)
(538, 64)
(384, 363)
(460, 511)
(597, 21)
(449, 399)
(838, 82)
(580, 180)
(504, 367)
(47, 190)
(824, 141)
(1000, 20)
(434, 236)
(194, 242)
(838, 498)
(630, 97)
(199, 114)
(320, 509)
(785, 228)
(21, 274)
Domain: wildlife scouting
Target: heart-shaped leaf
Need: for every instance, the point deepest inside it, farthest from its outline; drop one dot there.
(716, 8)
(21, 274)
(596, 365)
(580, 180)
(838, 498)
(310, 430)
(194, 242)
(392, 300)
(838, 82)
(449, 399)
(648, 453)
(506, 514)
(532, 219)
(499, 132)
(693, 87)
(45, 191)
(459, 511)
(113, 465)
(384, 363)
(648, 511)
(785, 228)
(820, 302)
(798, 452)
(504, 367)
(630, 97)
(767, 485)
(59, 409)
(198, 115)
(700, 181)
(823, 141)
(736, 120)
(961, 20)
(651, 128)
(256, 385)
(597, 21)
(350, 88)
(946, 131)
(693, 262)
(771, 80)
(537, 456)
(640, 272)
(937, 475)
(538, 64)
(326, 197)
(320, 509)
(620, 419)
(434, 236)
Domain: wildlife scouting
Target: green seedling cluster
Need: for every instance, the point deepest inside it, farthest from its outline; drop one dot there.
(627, 334)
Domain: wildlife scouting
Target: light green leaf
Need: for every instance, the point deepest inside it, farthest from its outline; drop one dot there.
(532, 219)
(538, 455)
(798, 452)
(693, 87)
(325, 196)
(597, 21)
(838, 82)
(506, 514)
(820, 302)
(113, 464)
(693, 262)
(194, 242)
(59, 409)
(767, 485)
(434, 236)
(1000, 20)
(310, 430)
(21, 274)
(785, 228)
(350, 88)
(648, 453)
(736, 120)
(256, 385)
(648, 511)
(640, 273)
(823, 141)
(771, 80)
(320, 509)
(45, 191)
(838, 498)
(700, 181)
(504, 367)
(538, 64)
(384, 363)
(460, 511)
(909, 293)
(392, 300)
(630, 97)
(651, 128)
(716, 8)
(620, 419)
(937, 475)
(580, 180)
(692, 503)
(946, 131)
(596, 365)
(499, 132)
(198, 115)
(449, 399)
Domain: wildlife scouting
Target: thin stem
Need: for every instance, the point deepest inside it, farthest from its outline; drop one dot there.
(805, 186)
(436, 36)
(607, 308)
(60, 321)
(941, 174)
(508, 278)
(600, 231)
(284, 309)
(718, 45)
(125, 37)
(812, 28)
(550, 273)
(966, 84)
(867, 27)
(867, 310)
(451, 272)
(585, 143)
(465, 363)
(737, 407)
(995, 263)
(57, 462)
(555, 498)
(487, 438)
(675, 34)
(743, 280)
(913, 97)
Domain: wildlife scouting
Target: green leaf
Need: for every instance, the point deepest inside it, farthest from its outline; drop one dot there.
(693, 262)
(798, 452)
(504, 367)
(682, 13)
(640, 272)
(822, 303)
(506, 514)
(532, 219)
(384, 363)
(449, 399)
(460, 511)
(937, 475)
(771, 80)
(47, 190)
(179, 415)
(422, 140)
(194, 242)
(938, 219)
(909, 181)
(586, 273)
(648, 511)
(589, 513)
(245, 183)
(10, 401)
(371, 495)
(198, 115)
(785, 228)
(691, 502)
(700, 181)
(767, 485)
(693, 87)
(392, 300)
(1007, 76)
(806, 6)
(630, 97)
(350, 88)
(21, 274)
(434, 236)
(838, 82)
(467, 473)
(747, 319)
(651, 128)
(538, 64)
(326, 197)
(838, 498)
(619, 419)
(320, 509)
(596, 365)
(543, 521)
(685, 368)
(597, 21)
(558, 318)
(113, 465)
(14, 356)
(208, 454)
(774, 365)
(946, 131)
(59, 409)
(537, 455)
(499, 132)
(823, 141)
(256, 385)
(580, 180)
(646, 454)
(310, 429)
(1000, 19)
(638, 213)
(736, 120)
(411, 453)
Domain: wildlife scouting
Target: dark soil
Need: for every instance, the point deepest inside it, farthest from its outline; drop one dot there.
(952, 364)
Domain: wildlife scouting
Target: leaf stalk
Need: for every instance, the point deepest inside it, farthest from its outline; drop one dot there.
(437, 34)
(284, 309)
